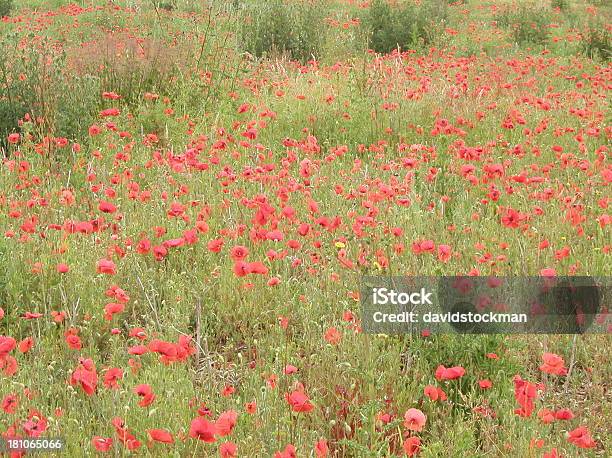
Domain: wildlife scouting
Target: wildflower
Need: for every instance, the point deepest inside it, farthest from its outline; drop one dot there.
(106, 266)
(414, 419)
(228, 450)
(449, 373)
(102, 444)
(553, 364)
(226, 422)
(321, 449)
(85, 376)
(160, 435)
(203, 430)
(412, 446)
(146, 393)
(581, 438)
(299, 402)
(333, 336)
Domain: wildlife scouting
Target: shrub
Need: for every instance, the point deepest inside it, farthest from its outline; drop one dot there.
(276, 27)
(527, 24)
(129, 66)
(597, 41)
(404, 26)
(6, 6)
(561, 4)
(33, 82)
(164, 5)
(16, 94)
(62, 89)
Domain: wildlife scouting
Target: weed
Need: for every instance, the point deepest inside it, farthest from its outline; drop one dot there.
(527, 24)
(403, 26)
(6, 7)
(597, 40)
(278, 27)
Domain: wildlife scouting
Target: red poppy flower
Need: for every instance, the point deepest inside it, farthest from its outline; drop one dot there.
(564, 414)
(226, 422)
(250, 407)
(288, 452)
(333, 336)
(299, 402)
(106, 266)
(290, 369)
(203, 430)
(160, 435)
(106, 207)
(62, 268)
(102, 444)
(553, 364)
(228, 450)
(434, 393)
(321, 449)
(581, 437)
(85, 376)
(412, 446)
(450, 373)
(112, 377)
(7, 344)
(227, 391)
(414, 419)
(239, 252)
(552, 454)
(10, 403)
(547, 416)
(146, 393)
(26, 345)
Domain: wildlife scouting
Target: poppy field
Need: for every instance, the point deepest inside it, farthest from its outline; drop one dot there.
(191, 192)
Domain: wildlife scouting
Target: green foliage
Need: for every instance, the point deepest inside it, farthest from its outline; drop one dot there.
(404, 26)
(78, 106)
(9, 116)
(16, 97)
(277, 27)
(561, 4)
(6, 7)
(63, 89)
(34, 83)
(597, 41)
(167, 5)
(528, 24)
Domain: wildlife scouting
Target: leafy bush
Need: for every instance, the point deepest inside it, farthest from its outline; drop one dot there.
(404, 26)
(164, 5)
(16, 94)
(129, 66)
(597, 41)
(528, 25)
(9, 117)
(62, 89)
(276, 27)
(561, 4)
(6, 6)
(33, 83)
